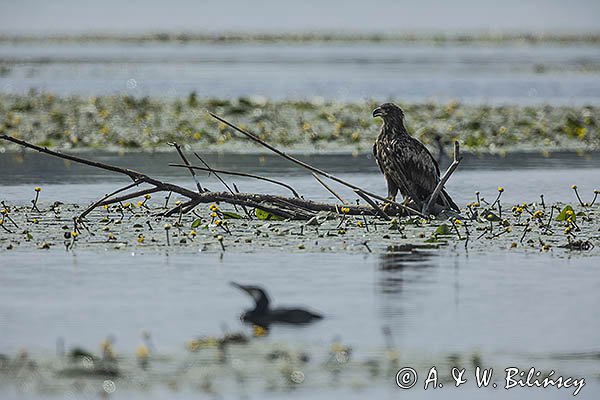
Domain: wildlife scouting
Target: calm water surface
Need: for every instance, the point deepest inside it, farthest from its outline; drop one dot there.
(512, 73)
(513, 309)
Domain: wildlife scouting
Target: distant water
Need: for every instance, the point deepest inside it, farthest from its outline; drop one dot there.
(478, 73)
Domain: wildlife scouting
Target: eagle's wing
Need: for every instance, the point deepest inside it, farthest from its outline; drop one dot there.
(444, 198)
(417, 165)
(376, 155)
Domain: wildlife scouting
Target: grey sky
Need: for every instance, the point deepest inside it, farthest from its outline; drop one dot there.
(72, 16)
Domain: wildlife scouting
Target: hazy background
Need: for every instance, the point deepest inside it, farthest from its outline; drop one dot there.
(516, 72)
(117, 16)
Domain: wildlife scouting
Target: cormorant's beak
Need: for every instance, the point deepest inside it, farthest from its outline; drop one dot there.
(378, 112)
(241, 287)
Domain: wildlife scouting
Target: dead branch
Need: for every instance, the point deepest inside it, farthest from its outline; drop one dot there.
(99, 202)
(442, 182)
(373, 204)
(219, 178)
(285, 207)
(224, 172)
(330, 190)
(186, 162)
(311, 168)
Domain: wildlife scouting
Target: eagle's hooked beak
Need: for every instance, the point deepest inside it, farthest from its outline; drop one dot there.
(378, 112)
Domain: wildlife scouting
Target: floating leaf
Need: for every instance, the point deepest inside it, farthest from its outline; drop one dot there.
(231, 215)
(490, 216)
(443, 229)
(566, 213)
(197, 222)
(266, 216)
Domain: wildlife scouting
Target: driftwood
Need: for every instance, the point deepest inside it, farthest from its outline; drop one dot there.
(295, 207)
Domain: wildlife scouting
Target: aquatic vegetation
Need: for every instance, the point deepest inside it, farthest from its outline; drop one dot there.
(223, 365)
(126, 122)
(482, 226)
(314, 37)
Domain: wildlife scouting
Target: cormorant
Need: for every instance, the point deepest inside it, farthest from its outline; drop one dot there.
(264, 316)
(405, 162)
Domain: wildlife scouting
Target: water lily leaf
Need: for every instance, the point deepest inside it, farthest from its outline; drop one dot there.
(566, 213)
(443, 229)
(231, 215)
(196, 223)
(490, 216)
(266, 216)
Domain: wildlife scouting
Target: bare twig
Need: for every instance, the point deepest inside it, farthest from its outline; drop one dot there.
(218, 177)
(442, 182)
(373, 204)
(128, 196)
(187, 163)
(330, 190)
(248, 214)
(221, 171)
(311, 168)
(134, 175)
(213, 172)
(103, 199)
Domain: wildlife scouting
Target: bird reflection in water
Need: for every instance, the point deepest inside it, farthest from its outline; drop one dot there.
(396, 259)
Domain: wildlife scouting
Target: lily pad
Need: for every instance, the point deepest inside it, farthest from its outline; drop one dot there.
(443, 230)
(566, 212)
(231, 215)
(266, 216)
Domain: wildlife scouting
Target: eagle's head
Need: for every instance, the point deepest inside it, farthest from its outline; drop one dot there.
(389, 112)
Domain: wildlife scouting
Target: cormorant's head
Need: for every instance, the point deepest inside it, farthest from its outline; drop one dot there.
(389, 112)
(258, 294)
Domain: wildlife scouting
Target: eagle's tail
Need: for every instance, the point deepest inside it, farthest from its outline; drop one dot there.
(447, 201)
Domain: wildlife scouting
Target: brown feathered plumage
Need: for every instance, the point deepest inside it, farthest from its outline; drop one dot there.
(405, 162)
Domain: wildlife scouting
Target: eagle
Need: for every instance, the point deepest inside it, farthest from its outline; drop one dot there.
(405, 162)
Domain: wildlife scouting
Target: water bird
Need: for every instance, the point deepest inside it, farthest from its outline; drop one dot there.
(263, 315)
(84, 363)
(405, 162)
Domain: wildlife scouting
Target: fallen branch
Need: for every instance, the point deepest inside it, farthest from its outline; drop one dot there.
(285, 207)
(311, 168)
(137, 177)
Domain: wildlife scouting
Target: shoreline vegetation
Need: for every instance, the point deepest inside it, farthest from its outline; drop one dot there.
(316, 37)
(128, 123)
